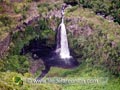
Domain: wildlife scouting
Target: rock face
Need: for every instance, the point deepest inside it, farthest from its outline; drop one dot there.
(76, 29)
(32, 16)
(35, 65)
(72, 23)
(4, 45)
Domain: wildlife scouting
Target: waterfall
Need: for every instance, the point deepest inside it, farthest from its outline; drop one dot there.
(62, 42)
(64, 51)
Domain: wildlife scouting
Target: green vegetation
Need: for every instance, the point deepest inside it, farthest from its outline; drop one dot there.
(98, 53)
(104, 7)
(20, 7)
(6, 23)
(12, 13)
(46, 7)
(20, 64)
(14, 80)
(102, 47)
(19, 39)
(1, 9)
(5, 20)
(72, 2)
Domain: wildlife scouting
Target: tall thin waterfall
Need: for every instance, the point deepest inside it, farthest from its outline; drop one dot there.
(64, 53)
(62, 44)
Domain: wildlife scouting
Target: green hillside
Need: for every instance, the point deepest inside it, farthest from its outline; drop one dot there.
(93, 39)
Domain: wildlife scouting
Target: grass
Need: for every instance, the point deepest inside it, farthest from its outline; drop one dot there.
(87, 71)
(83, 71)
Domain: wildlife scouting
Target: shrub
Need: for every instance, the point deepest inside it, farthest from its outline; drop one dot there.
(103, 7)
(43, 24)
(99, 49)
(72, 2)
(5, 20)
(1, 9)
(17, 63)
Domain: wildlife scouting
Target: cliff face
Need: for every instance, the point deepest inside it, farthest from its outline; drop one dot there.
(73, 24)
(20, 14)
(31, 16)
(4, 44)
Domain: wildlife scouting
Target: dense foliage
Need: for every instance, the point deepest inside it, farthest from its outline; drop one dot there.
(97, 53)
(103, 7)
(98, 50)
(5, 20)
(14, 61)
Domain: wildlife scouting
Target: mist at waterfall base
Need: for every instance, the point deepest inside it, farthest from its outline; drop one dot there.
(62, 49)
(55, 56)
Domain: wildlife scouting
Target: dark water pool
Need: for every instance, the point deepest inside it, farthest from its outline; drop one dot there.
(41, 51)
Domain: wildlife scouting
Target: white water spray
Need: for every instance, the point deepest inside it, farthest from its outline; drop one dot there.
(64, 52)
(63, 49)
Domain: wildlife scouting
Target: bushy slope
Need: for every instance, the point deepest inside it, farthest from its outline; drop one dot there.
(107, 8)
(98, 54)
(103, 45)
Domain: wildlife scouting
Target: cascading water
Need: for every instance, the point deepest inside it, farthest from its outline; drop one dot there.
(57, 57)
(62, 45)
